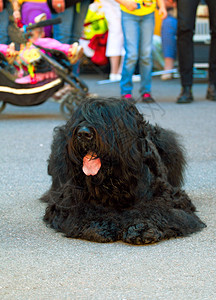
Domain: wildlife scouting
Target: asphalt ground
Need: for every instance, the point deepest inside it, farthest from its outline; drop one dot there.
(38, 263)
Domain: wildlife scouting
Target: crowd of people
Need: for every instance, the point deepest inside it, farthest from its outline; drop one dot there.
(131, 26)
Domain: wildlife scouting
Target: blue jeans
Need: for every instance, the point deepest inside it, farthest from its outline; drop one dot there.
(168, 37)
(71, 27)
(138, 35)
(4, 27)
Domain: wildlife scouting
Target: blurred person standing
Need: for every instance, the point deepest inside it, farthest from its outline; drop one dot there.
(168, 38)
(186, 25)
(4, 22)
(72, 14)
(138, 29)
(114, 47)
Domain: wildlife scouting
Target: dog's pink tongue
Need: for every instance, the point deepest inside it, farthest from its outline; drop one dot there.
(91, 165)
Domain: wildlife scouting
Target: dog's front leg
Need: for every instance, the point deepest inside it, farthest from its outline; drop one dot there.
(155, 224)
(93, 223)
(100, 231)
(142, 233)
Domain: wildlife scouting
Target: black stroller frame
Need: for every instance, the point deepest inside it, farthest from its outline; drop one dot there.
(36, 94)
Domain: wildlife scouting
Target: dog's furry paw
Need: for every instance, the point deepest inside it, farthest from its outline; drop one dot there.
(141, 234)
(101, 232)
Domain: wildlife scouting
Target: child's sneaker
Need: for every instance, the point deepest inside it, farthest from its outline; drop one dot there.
(75, 52)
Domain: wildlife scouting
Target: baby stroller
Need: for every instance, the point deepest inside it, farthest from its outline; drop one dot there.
(35, 94)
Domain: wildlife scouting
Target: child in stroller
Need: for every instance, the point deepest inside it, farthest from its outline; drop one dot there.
(40, 68)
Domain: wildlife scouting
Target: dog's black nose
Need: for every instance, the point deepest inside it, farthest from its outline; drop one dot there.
(85, 133)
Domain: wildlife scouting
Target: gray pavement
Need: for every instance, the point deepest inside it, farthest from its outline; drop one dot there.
(37, 263)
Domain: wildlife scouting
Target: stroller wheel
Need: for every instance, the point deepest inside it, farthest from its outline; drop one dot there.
(68, 106)
(2, 106)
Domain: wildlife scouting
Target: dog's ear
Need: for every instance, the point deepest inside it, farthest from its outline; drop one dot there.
(172, 153)
(58, 160)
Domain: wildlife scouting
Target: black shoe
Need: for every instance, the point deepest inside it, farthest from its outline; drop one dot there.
(185, 96)
(211, 92)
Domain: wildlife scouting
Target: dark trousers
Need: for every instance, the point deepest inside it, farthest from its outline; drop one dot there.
(186, 25)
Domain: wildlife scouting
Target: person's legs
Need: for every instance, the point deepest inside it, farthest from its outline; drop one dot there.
(186, 25)
(78, 20)
(77, 27)
(4, 27)
(115, 62)
(168, 38)
(114, 47)
(168, 63)
(131, 33)
(63, 31)
(70, 29)
(212, 56)
(211, 92)
(115, 37)
(185, 31)
(145, 52)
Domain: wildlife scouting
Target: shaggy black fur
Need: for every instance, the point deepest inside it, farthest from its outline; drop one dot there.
(136, 195)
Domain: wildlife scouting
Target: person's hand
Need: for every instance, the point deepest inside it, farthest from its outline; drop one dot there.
(162, 13)
(58, 5)
(1, 5)
(16, 15)
(130, 5)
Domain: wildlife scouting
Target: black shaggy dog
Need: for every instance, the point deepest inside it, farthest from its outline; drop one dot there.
(116, 177)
